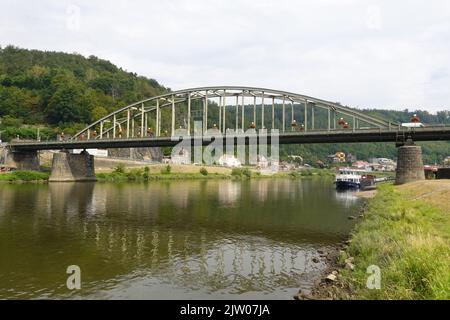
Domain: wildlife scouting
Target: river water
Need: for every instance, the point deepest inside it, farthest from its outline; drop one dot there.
(216, 239)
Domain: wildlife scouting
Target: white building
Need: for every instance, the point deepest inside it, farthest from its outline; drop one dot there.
(227, 160)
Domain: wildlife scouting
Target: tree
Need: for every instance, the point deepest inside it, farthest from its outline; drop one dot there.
(68, 105)
(98, 113)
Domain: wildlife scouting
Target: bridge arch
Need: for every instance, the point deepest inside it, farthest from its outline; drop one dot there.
(257, 107)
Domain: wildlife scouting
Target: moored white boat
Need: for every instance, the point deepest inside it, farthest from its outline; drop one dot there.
(348, 178)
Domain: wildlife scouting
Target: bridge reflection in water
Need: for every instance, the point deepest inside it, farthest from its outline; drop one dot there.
(197, 239)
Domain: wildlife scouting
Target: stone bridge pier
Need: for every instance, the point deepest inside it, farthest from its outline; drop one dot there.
(409, 164)
(69, 167)
(21, 160)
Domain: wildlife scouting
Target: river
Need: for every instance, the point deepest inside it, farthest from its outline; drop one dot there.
(199, 239)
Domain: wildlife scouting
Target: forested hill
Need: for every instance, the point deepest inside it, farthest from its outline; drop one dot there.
(57, 88)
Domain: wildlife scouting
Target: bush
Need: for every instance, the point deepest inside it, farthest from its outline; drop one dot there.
(166, 170)
(146, 174)
(135, 174)
(294, 174)
(203, 172)
(246, 172)
(237, 172)
(120, 169)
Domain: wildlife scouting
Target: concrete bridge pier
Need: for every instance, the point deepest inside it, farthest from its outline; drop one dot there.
(69, 167)
(22, 160)
(409, 164)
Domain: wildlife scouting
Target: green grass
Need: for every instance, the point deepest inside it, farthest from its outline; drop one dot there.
(135, 176)
(407, 239)
(24, 175)
(121, 174)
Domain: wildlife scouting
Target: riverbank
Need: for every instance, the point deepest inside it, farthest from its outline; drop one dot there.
(169, 172)
(24, 176)
(189, 172)
(405, 231)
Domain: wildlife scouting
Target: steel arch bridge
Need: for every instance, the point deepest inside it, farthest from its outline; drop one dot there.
(250, 107)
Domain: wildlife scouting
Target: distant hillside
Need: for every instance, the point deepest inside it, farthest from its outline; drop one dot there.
(58, 88)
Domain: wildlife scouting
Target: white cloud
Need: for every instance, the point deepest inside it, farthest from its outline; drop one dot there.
(374, 20)
(362, 53)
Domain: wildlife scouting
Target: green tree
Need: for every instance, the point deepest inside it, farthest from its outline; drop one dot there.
(98, 113)
(68, 105)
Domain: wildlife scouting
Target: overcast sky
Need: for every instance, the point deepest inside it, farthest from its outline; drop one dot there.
(383, 54)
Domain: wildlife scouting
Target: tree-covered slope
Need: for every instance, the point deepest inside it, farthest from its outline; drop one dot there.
(59, 88)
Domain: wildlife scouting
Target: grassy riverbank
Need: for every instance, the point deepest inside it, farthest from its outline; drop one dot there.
(24, 176)
(167, 172)
(406, 232)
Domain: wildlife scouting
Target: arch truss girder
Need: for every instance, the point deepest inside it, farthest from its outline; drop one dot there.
(251, 107)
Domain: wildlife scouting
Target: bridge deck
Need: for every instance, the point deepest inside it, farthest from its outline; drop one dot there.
(338, 136)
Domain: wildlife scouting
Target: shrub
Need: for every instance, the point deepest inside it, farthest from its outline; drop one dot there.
(236, 172)
(146, 174)
(120, 169)
(246, 172)
(203, 172)
(135, 174)
(294, 174)
(166, 170)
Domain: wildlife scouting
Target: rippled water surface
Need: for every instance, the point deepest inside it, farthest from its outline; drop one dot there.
(168, 240)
